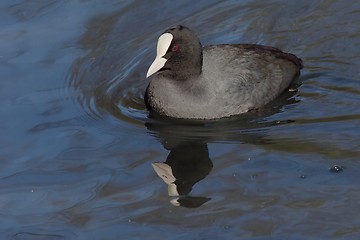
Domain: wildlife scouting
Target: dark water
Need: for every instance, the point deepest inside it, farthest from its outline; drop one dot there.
(78, 150)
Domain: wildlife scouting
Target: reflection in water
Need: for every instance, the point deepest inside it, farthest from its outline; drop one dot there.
(185, 165)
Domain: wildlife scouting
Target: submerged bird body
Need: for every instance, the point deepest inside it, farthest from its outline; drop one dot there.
(215, 81)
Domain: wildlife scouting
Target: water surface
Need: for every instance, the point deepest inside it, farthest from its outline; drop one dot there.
(80, 154)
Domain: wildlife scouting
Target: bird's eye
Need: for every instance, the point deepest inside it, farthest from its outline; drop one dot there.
(175, 48)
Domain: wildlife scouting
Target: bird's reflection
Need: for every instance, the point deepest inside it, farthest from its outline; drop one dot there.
(188, 161)
(185, 165)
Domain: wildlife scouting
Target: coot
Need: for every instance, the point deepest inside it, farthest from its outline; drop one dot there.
(194, 82)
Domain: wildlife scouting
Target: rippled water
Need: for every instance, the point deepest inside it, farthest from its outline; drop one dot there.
(81, 158)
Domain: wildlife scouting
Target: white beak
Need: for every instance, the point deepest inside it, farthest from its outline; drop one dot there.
(163, 45)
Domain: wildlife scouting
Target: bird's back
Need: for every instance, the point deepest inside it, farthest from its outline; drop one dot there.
(247, 76)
